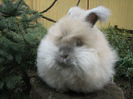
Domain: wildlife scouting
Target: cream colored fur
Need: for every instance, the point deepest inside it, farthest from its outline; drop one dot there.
(93, 63)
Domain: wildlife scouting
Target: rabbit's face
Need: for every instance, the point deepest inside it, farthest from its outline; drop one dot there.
(73, 39)
(68, 50)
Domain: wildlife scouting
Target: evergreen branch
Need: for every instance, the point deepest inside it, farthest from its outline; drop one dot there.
(7, 70)
(3, 13)
(30, 26)
(35, 16)
(49, 7)
(8, 36)
(78, 3)
(38, 16)
(19, 4)
(22, 33)
(44, 17)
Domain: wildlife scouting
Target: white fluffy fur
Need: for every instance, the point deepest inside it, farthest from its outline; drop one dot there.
(76, 12)
(102, 12)
(93, 62)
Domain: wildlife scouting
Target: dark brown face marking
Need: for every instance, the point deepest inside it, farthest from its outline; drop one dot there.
(92, 18)
(79, 42)
(60, 38)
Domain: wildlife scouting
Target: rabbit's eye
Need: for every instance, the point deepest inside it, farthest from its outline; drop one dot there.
(79, 43)
(60, 38)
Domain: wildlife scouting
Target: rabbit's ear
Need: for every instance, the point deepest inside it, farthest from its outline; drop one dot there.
(76, 12)
(100, 13)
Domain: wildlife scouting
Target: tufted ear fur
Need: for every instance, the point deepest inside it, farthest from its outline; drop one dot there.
(100, 13)
(76, 12)
(92, 16)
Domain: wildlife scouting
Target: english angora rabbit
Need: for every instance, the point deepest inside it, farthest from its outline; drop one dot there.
(75, 55)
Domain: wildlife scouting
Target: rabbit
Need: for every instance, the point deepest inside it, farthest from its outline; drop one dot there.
(74, 54)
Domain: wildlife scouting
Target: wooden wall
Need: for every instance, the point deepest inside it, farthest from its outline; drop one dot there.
(57, 11)
(122, 12)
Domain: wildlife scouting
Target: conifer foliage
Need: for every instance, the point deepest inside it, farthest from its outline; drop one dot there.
(20, 33)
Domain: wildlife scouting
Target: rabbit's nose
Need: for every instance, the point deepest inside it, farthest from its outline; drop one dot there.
(64, 56)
